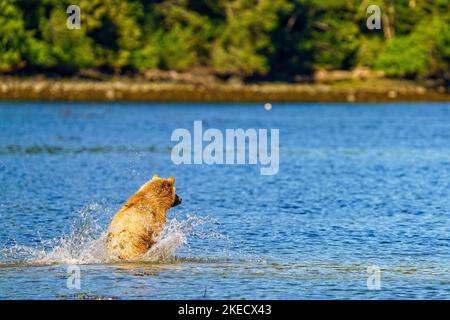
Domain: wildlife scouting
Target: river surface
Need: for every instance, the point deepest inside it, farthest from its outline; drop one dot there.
(361, 202)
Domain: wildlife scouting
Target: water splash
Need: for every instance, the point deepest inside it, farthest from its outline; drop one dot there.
(176, 233)
(86, 242)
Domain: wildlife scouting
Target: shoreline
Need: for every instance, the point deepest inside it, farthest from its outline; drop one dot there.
(127, 90)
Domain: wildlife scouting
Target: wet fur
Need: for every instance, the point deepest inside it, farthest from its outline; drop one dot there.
(135, 227)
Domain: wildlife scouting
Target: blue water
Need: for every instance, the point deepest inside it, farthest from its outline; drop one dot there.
(359, 185)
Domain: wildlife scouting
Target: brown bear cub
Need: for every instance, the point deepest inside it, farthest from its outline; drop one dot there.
(134, 229)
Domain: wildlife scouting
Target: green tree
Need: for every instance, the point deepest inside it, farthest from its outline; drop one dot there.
(13, 36)
(332, 34)
(178, 37)
(66, 49)
(248, 38)
(423, 52)
(112, 25)
(245, 40)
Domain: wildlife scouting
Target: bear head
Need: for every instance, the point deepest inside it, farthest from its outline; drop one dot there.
(164, 189)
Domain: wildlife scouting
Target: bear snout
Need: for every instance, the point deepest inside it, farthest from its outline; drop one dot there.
(177, 200)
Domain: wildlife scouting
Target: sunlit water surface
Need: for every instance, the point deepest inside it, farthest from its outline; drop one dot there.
(358, 186)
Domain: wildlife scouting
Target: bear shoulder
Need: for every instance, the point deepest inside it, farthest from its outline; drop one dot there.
(135, 199)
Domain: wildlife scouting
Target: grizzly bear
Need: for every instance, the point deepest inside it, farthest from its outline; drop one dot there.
(135, 227)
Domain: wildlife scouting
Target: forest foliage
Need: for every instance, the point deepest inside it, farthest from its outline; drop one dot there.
(277, 39)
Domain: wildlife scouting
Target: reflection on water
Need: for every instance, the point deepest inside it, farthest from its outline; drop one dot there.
(359, 186)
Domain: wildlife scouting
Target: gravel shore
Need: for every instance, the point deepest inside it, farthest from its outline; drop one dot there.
(86, 90)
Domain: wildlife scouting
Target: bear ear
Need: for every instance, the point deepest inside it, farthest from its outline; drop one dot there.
(171, 179)
(155, 176)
